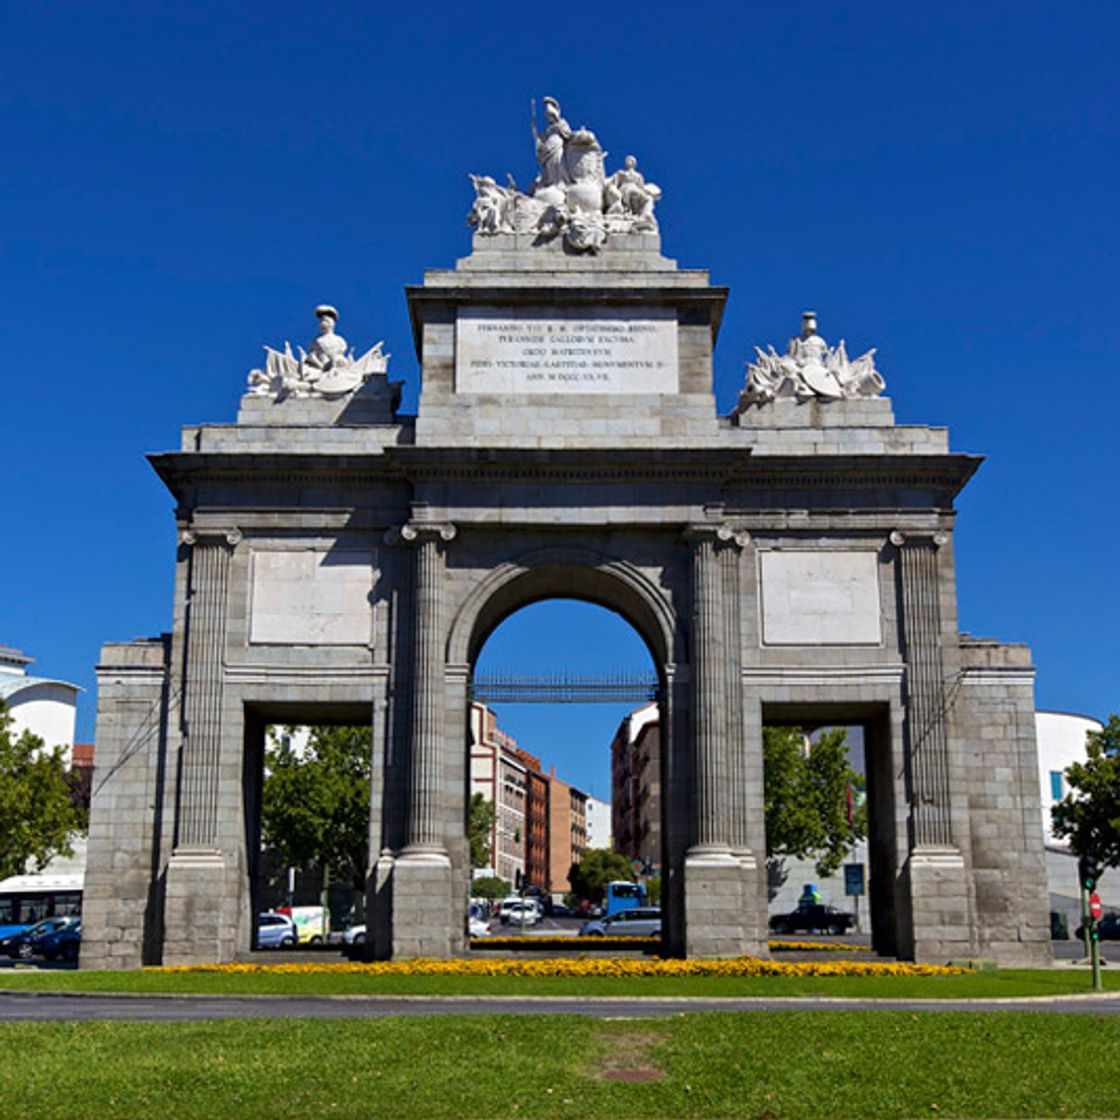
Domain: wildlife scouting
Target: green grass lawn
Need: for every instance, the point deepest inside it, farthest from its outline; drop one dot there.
(786, 1064)
(978, 985)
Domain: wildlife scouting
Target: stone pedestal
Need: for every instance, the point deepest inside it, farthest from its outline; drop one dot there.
(200, 910)
(423, 906)
(939, 906)
(719, 905)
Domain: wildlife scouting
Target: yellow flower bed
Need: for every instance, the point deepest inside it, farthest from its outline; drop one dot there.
(782, 946)
(601, 943)
(565, 943)
(575, 967)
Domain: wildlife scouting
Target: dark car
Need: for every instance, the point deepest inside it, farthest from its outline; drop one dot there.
(1108, 928)
(28, 943)
(813, 918)
(64, 943)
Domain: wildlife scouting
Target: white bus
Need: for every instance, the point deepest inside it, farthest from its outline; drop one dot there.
(27, 899)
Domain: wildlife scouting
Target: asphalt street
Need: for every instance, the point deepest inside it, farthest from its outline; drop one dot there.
(41, 1006)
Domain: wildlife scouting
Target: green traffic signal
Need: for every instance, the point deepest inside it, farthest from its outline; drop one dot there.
(1090, 870)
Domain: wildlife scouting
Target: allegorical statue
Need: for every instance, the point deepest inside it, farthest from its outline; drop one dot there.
(571, 195)
(551, 146)
(809, 369)
(627, 192)
(327, 368)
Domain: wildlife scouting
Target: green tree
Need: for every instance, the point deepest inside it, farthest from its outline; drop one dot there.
(483, 815)
(596, 868)
(37, 815)
(315, 807)
(813, 800)
(489, 886)
(1089, 815)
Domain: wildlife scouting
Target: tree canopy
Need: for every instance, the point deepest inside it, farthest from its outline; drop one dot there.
(37, 813)
(482, 817)
(1089, 815)
(596, 868)
(813, 798)
(316, 804)
(489, 886)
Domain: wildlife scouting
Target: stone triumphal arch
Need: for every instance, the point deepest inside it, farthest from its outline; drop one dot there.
(338, 560)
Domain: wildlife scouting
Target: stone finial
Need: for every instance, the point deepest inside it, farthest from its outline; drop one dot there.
(809, 370)
(328, 368)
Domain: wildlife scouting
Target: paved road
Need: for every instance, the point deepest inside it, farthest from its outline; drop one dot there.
(41, 1006)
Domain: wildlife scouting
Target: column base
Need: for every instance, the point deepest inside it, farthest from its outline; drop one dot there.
(424, 921)
(721, 911)
(940, 911)
(200, 919)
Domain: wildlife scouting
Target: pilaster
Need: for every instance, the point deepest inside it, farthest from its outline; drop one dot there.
(197, 922)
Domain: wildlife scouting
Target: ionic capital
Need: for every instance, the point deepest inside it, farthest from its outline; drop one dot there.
(719, 533)
(231, 536)
(416, 532)
(938, 539)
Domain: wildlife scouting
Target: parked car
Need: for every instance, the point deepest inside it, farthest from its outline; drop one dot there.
(511, 907)
(518, 913)
(64, 943)
(355, 935)
(27, 944)
(812, 917)
(276, 931)
(638, 921)
(477, 927)
(1108, 928)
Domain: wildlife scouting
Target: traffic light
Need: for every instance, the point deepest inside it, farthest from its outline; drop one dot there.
(1090, 870)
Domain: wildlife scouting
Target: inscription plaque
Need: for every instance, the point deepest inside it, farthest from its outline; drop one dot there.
(545, 350)
(821, 598)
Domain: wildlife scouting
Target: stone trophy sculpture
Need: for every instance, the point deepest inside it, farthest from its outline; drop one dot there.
(571, 196)
(327, 369)
(809, 370)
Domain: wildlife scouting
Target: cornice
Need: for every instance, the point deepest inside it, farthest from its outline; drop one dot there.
(730, 469)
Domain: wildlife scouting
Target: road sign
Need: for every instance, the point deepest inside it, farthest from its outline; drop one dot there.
(1095, 910)
(853, 879)
(638, 866)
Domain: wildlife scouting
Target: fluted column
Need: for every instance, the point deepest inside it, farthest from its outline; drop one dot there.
(730, 560)
(714, 825)
(926, 735)
(425, 832)
(202, 685)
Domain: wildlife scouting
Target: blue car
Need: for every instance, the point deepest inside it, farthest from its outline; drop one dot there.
(64, 943)
(27, 943)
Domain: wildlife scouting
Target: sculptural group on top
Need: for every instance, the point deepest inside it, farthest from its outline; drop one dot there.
(327, 369)
(572, 195)
(810, 369)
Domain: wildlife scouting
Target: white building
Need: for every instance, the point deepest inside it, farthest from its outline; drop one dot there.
(45, 707)
(1061, 741)
(598, 823)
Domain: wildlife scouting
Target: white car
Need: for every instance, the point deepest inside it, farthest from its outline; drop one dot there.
(477, 927)
(355, 935)
(513, 915)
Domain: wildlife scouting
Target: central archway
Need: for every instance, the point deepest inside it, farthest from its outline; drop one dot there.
(586, 576)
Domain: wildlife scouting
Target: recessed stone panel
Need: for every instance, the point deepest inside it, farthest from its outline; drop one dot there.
(820, 597)
(311, 597)
(508, 350)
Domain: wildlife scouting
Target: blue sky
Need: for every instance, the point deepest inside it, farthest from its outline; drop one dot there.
(183, 183)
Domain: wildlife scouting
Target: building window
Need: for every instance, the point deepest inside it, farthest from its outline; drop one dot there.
(1056, 785)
